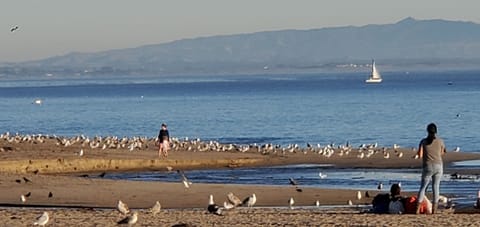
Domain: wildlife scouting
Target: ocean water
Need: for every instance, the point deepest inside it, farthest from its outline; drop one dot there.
(461, 191)
(279, 109)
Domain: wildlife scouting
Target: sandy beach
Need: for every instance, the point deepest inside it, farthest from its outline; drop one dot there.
(50, 173)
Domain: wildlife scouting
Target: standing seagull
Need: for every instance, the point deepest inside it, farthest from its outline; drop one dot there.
(234, 199)
(291, 202)
(380, 186)
(250, 201)
(359, 195)
(122, 207)
(156, 208)
(14, 28)
(185, 181)
(42, 220)
(130, 220)
(212, 207)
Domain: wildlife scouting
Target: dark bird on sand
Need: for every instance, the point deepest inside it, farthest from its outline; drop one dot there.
(50, 195)
(26, 180)
(102, 174)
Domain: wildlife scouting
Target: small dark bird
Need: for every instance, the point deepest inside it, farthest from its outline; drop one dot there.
(102, 174)
(292, 181)
(298, 189)
(35, 171)
(50, 195)
(367, 195)
(26, 180)
(84, 175)
(28, 194)
(14, 28)
(18, 181)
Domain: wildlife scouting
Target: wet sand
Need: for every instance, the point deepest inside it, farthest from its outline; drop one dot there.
(54, 169)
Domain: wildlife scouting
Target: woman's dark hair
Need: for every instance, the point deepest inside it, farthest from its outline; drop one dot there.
(395, 189)
(432, 131)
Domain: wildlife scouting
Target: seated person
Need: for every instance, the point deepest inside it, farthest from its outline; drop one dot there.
(391, 202)
(397, 202)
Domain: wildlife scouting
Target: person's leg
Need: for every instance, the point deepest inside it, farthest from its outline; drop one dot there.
(160, 149)
(426, 175)
(436, 177)
(165, 148)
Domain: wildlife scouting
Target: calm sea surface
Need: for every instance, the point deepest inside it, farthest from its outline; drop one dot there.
(279, 109)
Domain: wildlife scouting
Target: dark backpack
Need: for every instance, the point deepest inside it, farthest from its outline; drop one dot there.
(380, 203)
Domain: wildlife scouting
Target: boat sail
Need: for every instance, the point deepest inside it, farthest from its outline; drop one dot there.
(375, 77)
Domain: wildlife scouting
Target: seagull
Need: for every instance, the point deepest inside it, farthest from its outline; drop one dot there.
(293, 181)
(322, 176)
(234, 199)
(317, 203)
(291, 202)
(457, 149)
(359, 195)
(156, 208)
(23, 198)
(130, 220)
(122, 207)
(228, 205)
(80, 153)
(185, 181)
(350, 203)
(250, 201)
(42, 220)
(380, 186)
(14, 28)
(212, 207)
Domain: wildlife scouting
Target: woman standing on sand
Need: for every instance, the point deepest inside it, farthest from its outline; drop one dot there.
(431, 150)
(164, 141)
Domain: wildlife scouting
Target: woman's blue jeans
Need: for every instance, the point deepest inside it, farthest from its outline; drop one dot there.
(435, 172)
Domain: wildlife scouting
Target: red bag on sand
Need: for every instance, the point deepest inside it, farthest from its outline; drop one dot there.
(411, 205)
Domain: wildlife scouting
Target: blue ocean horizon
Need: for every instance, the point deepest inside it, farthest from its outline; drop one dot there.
(278, 109)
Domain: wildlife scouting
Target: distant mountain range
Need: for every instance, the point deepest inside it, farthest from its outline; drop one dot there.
(409, 42)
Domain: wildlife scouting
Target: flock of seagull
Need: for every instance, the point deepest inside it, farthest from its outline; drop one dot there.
(196, 145)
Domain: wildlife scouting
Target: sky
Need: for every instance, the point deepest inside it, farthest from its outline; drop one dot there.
(50, 28)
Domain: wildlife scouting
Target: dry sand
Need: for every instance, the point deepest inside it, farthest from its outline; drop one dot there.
(87, 201)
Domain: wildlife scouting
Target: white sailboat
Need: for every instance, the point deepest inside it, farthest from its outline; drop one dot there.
(375, 77)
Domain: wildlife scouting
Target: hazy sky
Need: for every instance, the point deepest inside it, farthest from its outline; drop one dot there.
(57, 27)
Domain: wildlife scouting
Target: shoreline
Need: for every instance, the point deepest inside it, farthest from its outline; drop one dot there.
(51, 157)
